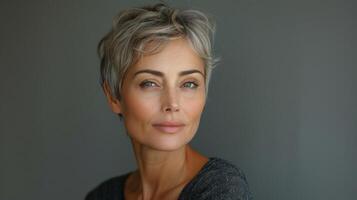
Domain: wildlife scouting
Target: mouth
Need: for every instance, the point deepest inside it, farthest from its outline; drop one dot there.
(169, 127)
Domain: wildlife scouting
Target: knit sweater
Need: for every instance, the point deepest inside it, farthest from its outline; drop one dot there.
(217, 180)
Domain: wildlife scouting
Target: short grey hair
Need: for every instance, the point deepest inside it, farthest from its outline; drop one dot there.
(134, 28)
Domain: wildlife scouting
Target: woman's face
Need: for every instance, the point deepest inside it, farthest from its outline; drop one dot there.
(163, 96)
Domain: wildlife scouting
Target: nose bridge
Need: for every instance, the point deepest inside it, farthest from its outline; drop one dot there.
(170, 99)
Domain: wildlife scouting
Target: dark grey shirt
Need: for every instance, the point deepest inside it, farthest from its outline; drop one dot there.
(217, 180)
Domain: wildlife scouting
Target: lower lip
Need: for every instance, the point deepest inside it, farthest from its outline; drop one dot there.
(169, 129)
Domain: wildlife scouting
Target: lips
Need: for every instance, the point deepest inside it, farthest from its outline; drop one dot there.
(169, 127)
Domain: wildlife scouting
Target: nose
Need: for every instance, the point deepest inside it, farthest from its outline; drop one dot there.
(170, 101)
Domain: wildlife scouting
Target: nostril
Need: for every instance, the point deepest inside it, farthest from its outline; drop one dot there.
(172, 108)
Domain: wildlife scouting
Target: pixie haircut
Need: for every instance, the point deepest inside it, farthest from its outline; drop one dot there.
(133, 29)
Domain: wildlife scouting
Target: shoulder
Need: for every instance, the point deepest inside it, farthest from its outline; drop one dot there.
(109, 189)
(219, 179)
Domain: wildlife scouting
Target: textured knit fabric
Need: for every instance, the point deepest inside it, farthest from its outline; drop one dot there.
(217, 180)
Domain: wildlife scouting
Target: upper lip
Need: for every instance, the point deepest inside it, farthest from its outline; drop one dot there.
(169, 123)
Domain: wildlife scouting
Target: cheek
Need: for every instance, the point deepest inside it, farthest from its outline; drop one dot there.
(193, 113)
(140, 108)
(194, 107)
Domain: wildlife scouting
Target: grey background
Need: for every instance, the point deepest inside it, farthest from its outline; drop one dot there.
(282, 103)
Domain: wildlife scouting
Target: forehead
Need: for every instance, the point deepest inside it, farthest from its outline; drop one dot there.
(176, 55)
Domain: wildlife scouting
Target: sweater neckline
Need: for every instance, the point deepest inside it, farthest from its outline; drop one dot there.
(188, 185)
(196, 177)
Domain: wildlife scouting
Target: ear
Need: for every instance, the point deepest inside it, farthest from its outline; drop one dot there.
(113, 102)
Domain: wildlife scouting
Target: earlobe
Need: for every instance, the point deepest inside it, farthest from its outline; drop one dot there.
(113, 102)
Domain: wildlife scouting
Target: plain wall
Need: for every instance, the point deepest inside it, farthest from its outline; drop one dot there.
(282, 103)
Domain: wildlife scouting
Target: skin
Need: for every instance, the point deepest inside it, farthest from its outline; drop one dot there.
(155, 90)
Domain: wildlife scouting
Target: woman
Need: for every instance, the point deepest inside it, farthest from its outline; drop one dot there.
(155, 69)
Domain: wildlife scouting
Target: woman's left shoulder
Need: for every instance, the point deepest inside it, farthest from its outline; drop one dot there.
(220, 179)
(220, 168)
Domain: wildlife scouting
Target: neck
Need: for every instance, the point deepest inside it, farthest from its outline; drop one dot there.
(160, 171)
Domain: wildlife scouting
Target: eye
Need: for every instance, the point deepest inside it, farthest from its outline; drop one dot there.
(147, 84)
(190, 85)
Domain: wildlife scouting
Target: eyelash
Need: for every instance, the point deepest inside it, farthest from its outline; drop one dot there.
(143, 84)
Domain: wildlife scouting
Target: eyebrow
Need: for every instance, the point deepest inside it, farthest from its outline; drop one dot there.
(160, 74)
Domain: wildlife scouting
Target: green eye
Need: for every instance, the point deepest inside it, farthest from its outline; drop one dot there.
(191, 85)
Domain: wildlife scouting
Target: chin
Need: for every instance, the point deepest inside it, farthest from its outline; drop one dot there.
(166, 143)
